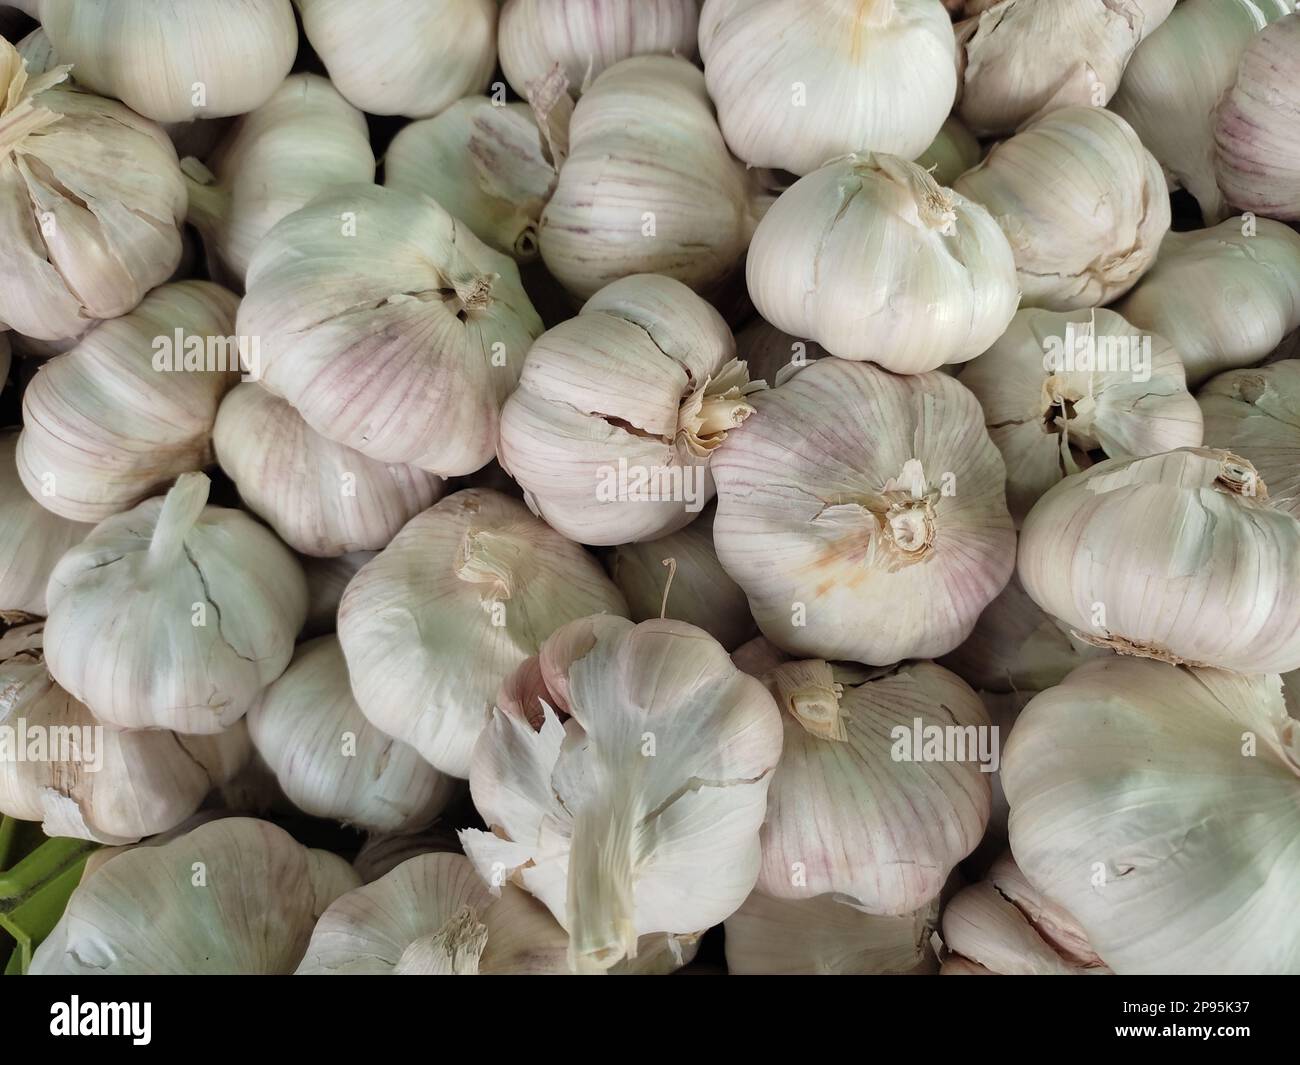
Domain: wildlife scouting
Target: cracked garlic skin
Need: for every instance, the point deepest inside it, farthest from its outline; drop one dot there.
(1182, 557)
(466, 592)
(174, 614)
(864, 513)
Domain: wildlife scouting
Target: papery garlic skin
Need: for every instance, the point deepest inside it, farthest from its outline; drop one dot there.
(38, 52)
(834, 517)
(174, 614)
(1181, 557)
(1083, 204)
(327, 578)
(464, 594)
(872, 259)
(797, 82)
(953, 151)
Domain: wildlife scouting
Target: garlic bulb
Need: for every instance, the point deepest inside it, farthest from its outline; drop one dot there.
(648, 186)
(132, 405)
(1158, 805)
(330, 761)
(326, 580)
(852, 492)
(620, 410)
(383, 852)
(485, 163)
(464, 593)
(798, 83)
(1181, 557)
(234, 896)
(952, 152)
(404, 57)
(1059, 389)
(174, 614)
(872, 259)
(389, 326)
(1224, 297)
(772, 356)
(306, 138)
(83, 780)
(82, 237)
(320, 497)
(1082, 203)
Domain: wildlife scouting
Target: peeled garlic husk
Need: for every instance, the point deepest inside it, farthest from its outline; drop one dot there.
(389, 326)
(234, 896)
(1083, 204)
(772, 356)
(326, 580)
(864, 513)
(306, 138)
(174, 614)
(89, 781)
(82, 237)
(1060, 390)
(641, 812)
(874, 260)
(332, 762)
(1158, 805)
(649, 186)
(620, 411)
(485, 163)
(465, 593)
(1182, 557)
(115, 419)
(952, 152)
(404, 57)
(798, 83)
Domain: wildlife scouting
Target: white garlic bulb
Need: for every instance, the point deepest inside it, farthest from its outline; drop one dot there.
(953, 151)
(1181, 557)
(872, 259)
(852, 493)
(174, 614)
(115, 419)
(620, 410)
(464, 593)
(772, 356)
(1083, 204)
(326, 580)
(798, 83)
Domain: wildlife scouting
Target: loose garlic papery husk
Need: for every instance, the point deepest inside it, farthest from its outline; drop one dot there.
(649, 185)
(320, 497)
(332, 762)
(1082, 203)
(174, 614)
(404, 57)
(1061, 389)
(389, 326)
(954, 151)
(772, 356)
(132, 405)
(326, 580)
(1158, 805)
(797, 82)
(1181, 557)
(620, 410)
(306, 138)
(82, 237)
(83, 780)
(485, 163)
(641, 812)
(234, 896)
(864, 514)
(464, 594)
(874, 260)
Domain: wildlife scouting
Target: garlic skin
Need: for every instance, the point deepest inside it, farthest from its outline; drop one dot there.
(37, 52)
(1083, 204)
(872, 259)
(174, 614)
(1158, 806)
(326, 580)
(1059, 388)
(389, 326)
(953, 151)
(853, 491)
(773, 356)
(464, 594)
(404, 57)
(798, 82)
(83, 237)
(1181, 557)
(141, 913)
(620, 411)
(119, 416)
